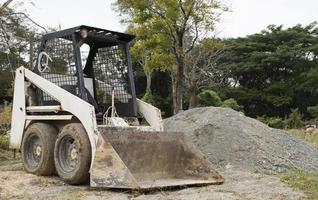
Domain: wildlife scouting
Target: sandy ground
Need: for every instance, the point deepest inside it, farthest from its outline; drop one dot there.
(240, 184)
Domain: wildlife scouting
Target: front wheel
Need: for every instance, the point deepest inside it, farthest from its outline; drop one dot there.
(72, 154)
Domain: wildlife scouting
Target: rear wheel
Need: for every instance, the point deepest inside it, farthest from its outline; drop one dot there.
(72, 154)
(38, 149)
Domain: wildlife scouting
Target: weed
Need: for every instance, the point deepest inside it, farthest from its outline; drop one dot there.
(4, 142)
(313, 139)
(5, 119)
(303, 180)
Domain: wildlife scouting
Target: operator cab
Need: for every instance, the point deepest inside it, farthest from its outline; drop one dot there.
(98, 74)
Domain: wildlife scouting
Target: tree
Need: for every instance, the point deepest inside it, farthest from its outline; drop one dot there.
(180, 23)
(273, 71)
(16, 29)
(151, 52)
(201, 69)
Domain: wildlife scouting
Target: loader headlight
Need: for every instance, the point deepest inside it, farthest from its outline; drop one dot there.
(83, 33)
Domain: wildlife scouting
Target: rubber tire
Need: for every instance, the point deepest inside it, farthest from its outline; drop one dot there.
(81, 173)
(47, 135)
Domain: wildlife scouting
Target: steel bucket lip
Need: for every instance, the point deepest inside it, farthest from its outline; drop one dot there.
(173, 183)
(181, 183)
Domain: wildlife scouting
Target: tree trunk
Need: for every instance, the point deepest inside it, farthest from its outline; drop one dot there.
(174, 93)
(178, 82)
(148, 77)
(192, 96)
(177, 88)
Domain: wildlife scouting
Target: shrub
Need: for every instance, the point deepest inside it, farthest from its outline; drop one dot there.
(209, 98)
(4, 142)
(313, 111)
(164, 104)
(294, 119)
(231, 103)
(274, 122)
(5, 119)
(149, 98)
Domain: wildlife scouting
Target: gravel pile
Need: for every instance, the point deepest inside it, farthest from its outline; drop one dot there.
(228, 138)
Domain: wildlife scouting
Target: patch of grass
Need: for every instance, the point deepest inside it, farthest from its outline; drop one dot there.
(4, 142)
(5, 119)
(313, 139)
(7, 161)
(303, 180)
(5, 115)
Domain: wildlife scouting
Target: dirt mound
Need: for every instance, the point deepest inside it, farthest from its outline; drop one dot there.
(228, 138)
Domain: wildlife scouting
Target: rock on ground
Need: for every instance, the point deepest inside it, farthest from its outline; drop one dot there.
(228, 137)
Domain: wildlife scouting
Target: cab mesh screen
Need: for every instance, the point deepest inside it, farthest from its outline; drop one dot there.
(61, 69)
(110, 70)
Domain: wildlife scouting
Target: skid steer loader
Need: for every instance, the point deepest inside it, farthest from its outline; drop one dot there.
(76, 114)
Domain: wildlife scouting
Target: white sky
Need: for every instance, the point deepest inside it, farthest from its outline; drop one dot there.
(246, 17)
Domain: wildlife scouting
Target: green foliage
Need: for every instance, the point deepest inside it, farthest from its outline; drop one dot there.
(4, 142)
(231, 103)
(295, 119)
(209, 98)
(15, 33)
(274, 122)
(313, 111)
(149, 98)
(273, 71)
(10, 90)
(158, 101)
(5, 119)
(166, 30)
(5, 114)
(302, 180)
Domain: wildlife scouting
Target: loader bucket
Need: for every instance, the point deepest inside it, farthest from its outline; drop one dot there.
(131, 159)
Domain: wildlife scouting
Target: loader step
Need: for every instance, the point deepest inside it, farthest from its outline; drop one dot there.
(43, 108)
(49, 117)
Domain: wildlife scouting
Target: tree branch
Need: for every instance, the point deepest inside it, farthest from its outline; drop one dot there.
(25, 15)
(186, 16)
(194, 40)
(5, 5)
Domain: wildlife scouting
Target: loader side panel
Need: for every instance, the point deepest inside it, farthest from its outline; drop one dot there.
(18, 110)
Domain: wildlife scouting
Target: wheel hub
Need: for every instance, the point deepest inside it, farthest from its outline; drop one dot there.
(38, 150)
(73, 154)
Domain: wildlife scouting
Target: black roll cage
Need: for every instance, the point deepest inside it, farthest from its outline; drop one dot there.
(96, 38)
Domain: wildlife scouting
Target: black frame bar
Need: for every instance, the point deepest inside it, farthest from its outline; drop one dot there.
(113, 38)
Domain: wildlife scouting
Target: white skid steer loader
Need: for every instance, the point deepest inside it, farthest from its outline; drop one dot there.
(76, 114)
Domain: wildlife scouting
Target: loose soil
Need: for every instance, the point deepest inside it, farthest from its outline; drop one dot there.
(249, 155)
(239, 185)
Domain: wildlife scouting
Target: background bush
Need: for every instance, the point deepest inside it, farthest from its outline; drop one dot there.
(294, 120)
(5, 119)
(231, 103)
(209, 98)
(158, 101)
(274, 122)
(4, 142)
